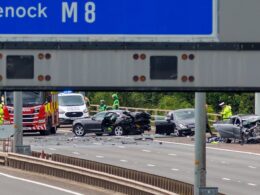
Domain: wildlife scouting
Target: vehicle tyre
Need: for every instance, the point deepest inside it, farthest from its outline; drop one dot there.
(228, 141)
(47, 131)
(179, 133)
(78, 130)
(54, 130)
(118, 131)
(244, 139)
(99, 134)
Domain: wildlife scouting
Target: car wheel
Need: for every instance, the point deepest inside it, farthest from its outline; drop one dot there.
(54, 130)
(47, 131)
(118, 131)
(178, 133)
(78, 130)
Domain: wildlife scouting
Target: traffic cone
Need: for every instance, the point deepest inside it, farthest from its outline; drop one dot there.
(42, 155)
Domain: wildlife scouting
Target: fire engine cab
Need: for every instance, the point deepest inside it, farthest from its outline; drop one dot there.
(40, 111)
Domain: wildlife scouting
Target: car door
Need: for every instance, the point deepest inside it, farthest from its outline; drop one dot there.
(166, 126)
(95, 124)
(227, 129)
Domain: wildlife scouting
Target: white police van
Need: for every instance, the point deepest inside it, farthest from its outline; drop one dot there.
(72, 106)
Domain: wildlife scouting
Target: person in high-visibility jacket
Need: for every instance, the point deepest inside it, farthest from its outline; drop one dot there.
(226, 111)
(102, 106)
(116, 102)
(1, 114)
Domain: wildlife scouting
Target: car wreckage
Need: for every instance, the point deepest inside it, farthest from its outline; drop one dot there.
(245, 128)
(113, 122)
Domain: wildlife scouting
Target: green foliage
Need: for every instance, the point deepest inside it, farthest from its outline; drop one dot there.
(240, 102)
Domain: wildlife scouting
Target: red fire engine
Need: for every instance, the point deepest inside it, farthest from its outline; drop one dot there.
(40, 111)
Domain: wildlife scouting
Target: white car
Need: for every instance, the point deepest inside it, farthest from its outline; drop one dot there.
(71, 107)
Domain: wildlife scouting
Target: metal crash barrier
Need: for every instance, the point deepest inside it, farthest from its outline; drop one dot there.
(97, 174)
(82, 175)
(168, 184)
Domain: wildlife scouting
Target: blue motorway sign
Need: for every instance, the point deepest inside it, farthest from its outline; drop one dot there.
(107, 17)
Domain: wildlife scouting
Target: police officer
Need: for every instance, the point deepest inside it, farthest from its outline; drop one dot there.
(226, 111)
(1, 114)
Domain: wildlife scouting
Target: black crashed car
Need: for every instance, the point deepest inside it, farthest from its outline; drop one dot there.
(113, 122)
(179, 122)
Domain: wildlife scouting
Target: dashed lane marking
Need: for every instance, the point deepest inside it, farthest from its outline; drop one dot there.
(150, 165)
(175, 169)
(146, 150)
(121, 146)
(123, 161)
(76, 153)
(251, 167)
(172, 154)
(52, 149)
(251, 184)
(226, 179)
(100, 156)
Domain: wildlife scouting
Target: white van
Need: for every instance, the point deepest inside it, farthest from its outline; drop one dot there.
(72, 106)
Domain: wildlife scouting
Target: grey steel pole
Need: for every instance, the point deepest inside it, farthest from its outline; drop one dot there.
(200, 142)
(257, 103)
(18, 121)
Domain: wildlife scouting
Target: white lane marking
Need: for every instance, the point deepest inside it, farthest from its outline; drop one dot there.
(172, 154)
(100, 156)
(150, 165)
(41, 184)
(121, 146)
(226, 179)
(146, 150)
(97, 143)
(251, 167)
(76, 153)
(175, 169)
(224, 162)
(251, 184)
(52, 149)
(123, 161)
(220, 149)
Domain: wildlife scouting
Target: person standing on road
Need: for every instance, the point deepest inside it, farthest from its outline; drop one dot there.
(226, 111)
(102, 106)
(87, 101)
(116, 102)
(208, 129)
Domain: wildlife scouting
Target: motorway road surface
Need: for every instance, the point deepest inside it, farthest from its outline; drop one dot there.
(235, 173)
(19, 182)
